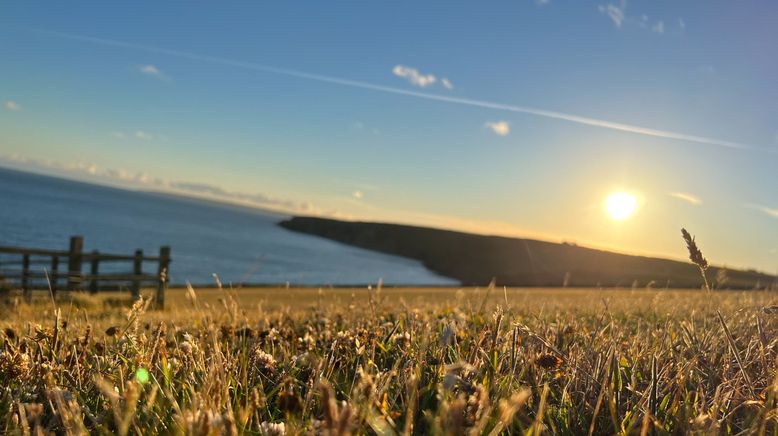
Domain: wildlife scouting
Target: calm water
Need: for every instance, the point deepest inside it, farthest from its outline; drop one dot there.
(238, 244)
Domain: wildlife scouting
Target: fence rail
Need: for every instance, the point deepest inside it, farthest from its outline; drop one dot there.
(79, 270)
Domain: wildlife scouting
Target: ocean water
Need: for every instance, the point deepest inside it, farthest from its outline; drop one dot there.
(240, 245)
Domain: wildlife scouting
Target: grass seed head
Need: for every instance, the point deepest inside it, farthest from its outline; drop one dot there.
(695, 255)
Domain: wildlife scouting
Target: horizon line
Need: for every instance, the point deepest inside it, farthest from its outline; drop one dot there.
(221, 201)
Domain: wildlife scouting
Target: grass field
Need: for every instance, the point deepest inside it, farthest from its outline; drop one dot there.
(392, 361)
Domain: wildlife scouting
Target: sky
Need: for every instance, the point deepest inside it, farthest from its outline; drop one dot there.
(507, 117)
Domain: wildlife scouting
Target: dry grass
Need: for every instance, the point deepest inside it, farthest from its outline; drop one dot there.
(337, 361)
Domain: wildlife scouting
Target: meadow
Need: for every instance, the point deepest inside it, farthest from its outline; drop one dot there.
(391, 361)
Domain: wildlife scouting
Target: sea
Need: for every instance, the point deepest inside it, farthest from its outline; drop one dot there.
(237, 244)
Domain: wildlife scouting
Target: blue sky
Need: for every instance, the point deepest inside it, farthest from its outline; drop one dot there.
(503, 117)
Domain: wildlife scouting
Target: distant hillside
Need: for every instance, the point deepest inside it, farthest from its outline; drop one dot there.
(476, 259)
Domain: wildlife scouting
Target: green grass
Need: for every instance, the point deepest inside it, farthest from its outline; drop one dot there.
(392, 361)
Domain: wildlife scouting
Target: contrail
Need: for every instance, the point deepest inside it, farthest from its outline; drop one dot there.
(578, 119)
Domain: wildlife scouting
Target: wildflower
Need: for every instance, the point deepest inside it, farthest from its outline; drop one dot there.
(263, 362)
(702, 422)
(186, 348)
(401, 339)
(227, 331)
(272, 428)
(202, 422)
(548, 361)
(15, 365)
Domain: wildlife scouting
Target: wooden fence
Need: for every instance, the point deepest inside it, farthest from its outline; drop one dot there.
(53, 269)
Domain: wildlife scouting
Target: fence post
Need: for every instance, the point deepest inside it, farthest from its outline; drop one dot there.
(137, 270)
(26, 277)
(54, 274)
(95, 261)
(162, 274)
(74, 262)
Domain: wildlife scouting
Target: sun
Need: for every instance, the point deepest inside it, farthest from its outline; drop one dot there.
(620, 205)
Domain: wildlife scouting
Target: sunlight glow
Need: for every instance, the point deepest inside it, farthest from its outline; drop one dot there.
(620, 205)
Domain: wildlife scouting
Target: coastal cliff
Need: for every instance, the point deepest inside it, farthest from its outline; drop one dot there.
(477, 259)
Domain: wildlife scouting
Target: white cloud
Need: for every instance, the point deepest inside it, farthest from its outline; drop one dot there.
(144, 136)
(618, 15)
(118, 135)
(446, 83)
(358, 194)
(414, 76)
(542, 2)
(689, 198)
(614, 12)
(149, 69)
(773, 212)
(153, 71)
(12, 106)
(501, 128)
(81, 168)
(681, 23)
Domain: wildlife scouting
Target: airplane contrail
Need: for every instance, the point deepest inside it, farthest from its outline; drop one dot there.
(578, 119)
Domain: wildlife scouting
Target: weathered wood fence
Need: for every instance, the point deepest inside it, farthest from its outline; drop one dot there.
(54, 269)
